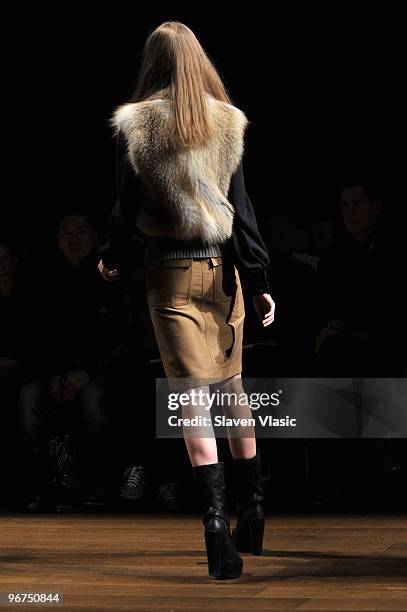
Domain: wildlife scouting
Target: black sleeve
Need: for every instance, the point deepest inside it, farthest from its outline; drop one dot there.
(250, 252)
(121, 233)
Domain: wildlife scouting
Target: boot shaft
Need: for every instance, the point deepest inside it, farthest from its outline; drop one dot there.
(210, 484)
(249, 487)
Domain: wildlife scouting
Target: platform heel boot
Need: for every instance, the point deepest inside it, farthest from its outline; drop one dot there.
(249, 531)
(223, 559)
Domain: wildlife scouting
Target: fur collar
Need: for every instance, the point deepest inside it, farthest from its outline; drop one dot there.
(188, 188)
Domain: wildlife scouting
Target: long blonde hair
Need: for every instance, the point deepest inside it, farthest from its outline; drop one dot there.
(174, 61)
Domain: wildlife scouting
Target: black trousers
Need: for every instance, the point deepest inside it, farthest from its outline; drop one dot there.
(40, 418)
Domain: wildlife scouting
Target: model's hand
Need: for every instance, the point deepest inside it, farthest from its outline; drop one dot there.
(265, 308)
(109, 275)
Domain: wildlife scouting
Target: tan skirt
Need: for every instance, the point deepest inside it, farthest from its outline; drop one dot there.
(197, 310)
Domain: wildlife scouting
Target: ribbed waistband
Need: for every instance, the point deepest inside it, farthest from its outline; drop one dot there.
(157, 251)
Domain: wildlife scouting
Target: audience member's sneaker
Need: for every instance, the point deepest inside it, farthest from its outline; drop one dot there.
(168, 497)
(134, 483)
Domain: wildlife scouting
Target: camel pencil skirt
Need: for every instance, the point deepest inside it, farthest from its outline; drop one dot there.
(197, 311)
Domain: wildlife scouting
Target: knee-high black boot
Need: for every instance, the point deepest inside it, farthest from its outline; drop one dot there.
(223, 560)
(249, 531)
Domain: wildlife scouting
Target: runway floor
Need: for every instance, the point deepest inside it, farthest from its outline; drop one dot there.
(157, 562)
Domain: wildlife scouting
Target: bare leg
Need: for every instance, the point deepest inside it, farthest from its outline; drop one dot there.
(202, 448)
(200, 441)
(242, 440)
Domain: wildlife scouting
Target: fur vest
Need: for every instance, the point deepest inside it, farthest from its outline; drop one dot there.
(187, 188)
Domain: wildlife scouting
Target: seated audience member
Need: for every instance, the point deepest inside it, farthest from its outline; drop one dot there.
(82, 337)
(362, 298)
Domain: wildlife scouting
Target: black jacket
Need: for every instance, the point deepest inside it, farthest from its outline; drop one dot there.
(82, 322)
(362, 283)
(245, 246)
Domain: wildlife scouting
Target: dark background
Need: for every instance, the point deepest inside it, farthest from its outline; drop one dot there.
(324, 91)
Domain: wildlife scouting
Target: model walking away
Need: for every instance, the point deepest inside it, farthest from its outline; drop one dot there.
(181, 191)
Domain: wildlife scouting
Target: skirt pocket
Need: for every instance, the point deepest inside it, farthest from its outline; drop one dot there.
(224, 279)
(168, 283)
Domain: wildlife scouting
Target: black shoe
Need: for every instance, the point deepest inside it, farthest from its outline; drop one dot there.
(134, 484)
(168, 497)
(249, 532)
(223, 559)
